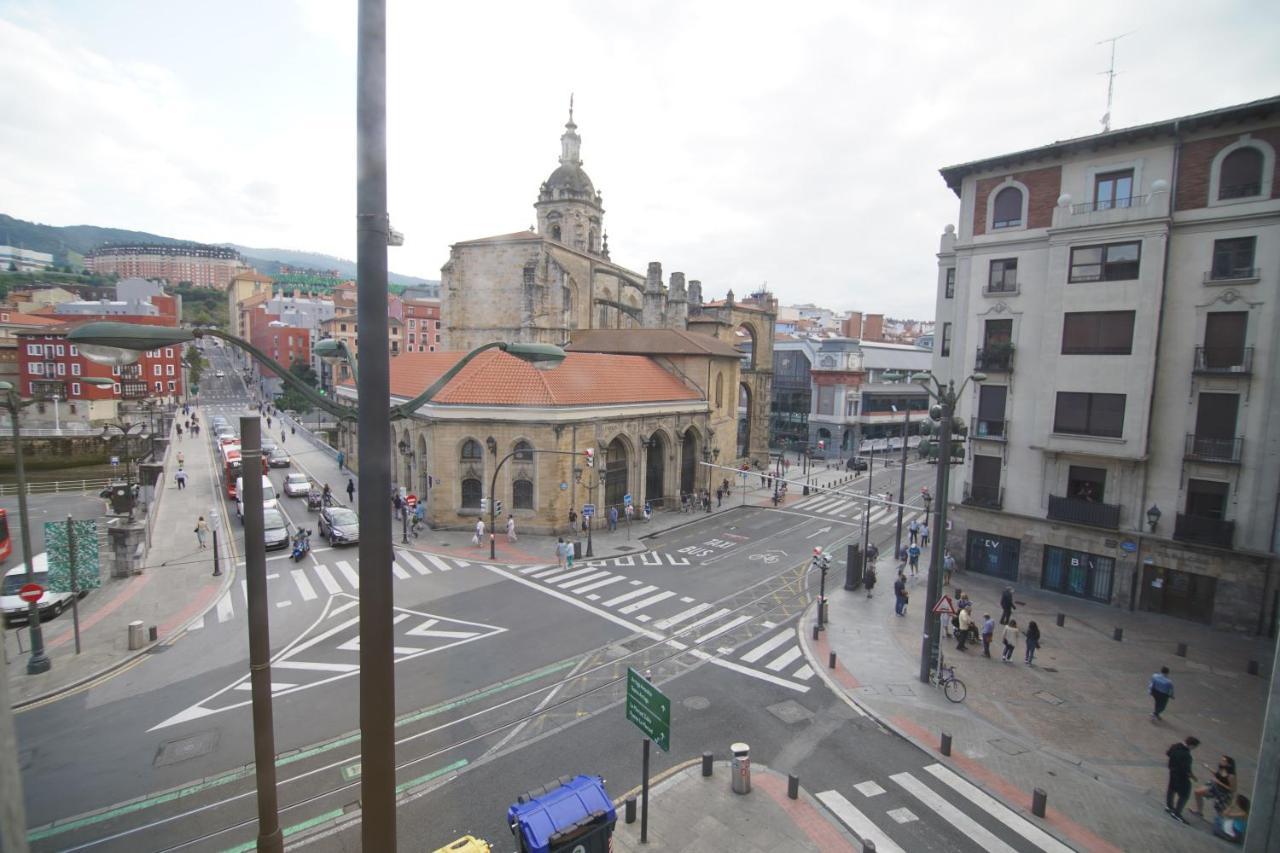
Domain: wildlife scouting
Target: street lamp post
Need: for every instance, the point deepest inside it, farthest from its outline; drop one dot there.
(902, 481)
(709, 455)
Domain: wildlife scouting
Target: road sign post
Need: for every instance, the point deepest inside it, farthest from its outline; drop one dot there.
(33, 592)
(650, 709)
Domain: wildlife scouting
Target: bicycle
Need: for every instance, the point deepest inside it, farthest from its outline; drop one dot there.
(952, 687)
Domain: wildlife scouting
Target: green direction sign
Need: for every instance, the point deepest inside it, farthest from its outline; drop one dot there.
(649, 709)
(57, 547)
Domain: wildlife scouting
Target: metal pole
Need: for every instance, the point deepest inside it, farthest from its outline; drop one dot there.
(270, 838)
(38, 662)
(217, 567)
(644, 796)
(377, 669)
(75, 581)
(866, 515)
(902, 483)
(933, 588)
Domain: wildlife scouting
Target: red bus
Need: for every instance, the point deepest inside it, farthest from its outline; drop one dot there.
(231, 467)
(6, 541)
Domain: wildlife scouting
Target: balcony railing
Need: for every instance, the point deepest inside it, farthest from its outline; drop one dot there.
(1113, 204)
(49, 388)
(1224, 360)
(981, 495)
(1240, 191)
(994, 359)
(989, 428)
(1204, 531)
(1205, 449)
(1006, 287)
(1078, 511)
(1226, 275)
(134, 390)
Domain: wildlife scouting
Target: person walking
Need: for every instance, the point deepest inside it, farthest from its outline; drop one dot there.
(914, 530)
(988, 632)
(948, 568)
(282, 438)
(1010, 639)
(869, 578)
(202, 528)
(342, 458)
(1006, 605)
(719, 497)
(478, 538)
(351, 490)
(962, 630)
(913, 559)
(1161, 690)
(511, 528)
(924, 536)
(560, 558)
(1180, 776)
(613, 518)
(181, 477)
(419, 517)
(1033, 641)
(1222, 787)
(178, 427)
(899, 595)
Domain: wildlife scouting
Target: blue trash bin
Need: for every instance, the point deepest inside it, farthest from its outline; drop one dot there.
(567, 814)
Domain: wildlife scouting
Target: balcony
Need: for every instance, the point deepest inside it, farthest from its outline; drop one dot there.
(1205, 449)
(1204, 531)
(1078, 511)
(1001, 288)
(134, 390)
(1114, 212)
(1232, 275)
(989, 429)
(48, 389)
(1224, 361)
(1113, 204)
(994, 358)
(983, 495)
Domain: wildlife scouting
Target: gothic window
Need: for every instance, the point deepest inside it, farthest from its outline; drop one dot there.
(719, 390)
(523, 451)
(472, 451)
(471, 491)
(522, 494)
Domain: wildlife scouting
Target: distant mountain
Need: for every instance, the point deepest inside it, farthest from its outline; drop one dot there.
(68, 243)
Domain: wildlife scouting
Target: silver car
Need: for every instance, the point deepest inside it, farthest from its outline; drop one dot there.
(297, 484)
(275, 529)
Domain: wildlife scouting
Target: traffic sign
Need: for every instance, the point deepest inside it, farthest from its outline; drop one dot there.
(33, 592)
(945, 606)
(649, 709)
(588, 510)
(626, 499)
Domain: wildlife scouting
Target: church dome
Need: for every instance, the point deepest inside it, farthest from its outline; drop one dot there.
(571, 178)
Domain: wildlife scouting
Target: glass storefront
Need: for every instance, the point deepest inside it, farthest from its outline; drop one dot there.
(1077, 573)
(993, 555)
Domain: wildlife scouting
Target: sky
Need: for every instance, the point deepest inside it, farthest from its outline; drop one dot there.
(742, 143)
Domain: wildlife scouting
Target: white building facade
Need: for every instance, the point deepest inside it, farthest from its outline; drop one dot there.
(1119, 292)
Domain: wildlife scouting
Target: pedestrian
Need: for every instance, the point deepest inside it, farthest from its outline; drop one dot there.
(573, 521)
(913, 559)
(1006, 605)
(293, 430)
(719, 497)
(924, 536)
(351, 490)
(962, 630)
(613, 518)
(478, 538)
(202, 527)
(1222, 787)
(1010, 639)
(511, 528)
(281, 437)
(899, 594)
(1180, 776)
(181, 459)
(178, 427)
(342, 458)
(869, 578)
(1033, 641)
(181, 477)
(948, 567)
(914, 529)
(560, 555)
(988, 632)
(419, 517)
(1161, 690)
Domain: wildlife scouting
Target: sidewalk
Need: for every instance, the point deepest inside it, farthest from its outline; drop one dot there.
(1077, 724)
(688, 811)
(176, 587)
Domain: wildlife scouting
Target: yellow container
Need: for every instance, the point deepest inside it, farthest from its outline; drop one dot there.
(465, 844)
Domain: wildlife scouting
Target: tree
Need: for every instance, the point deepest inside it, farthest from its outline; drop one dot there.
(304, 371)
(291, 399)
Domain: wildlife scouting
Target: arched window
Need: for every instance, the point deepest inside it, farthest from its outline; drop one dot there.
(471, 492)
(555, 232)
(1007, 211)
(1240, 175)
(523, 451)
(719, 390)
(472, 451)
(522, 494)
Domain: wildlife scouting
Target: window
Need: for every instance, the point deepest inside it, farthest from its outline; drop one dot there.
(522, 494)
(1207, 499)
(719, 390)
(1097, 333)
(1224, 335)
(991, 407)
(1077, 573)
(950, 292)
(1086, 484)
(75, 370)
(472, 451)
(437, 324)
(157, 370)
(826, 399)
(1114, 262)
(60, 350)
(997, 332)
(1233, 258)
(1007, 210)
(168, 352)
(851, 407)
(115, 388)
(168, 370)
(1004, 276)
(1240, 175)
(1113, 189)
(159, 387)
(471, 493)
(413, 324)
(1216, 417)
(171, 386)
(115, 370)
(1080, 413)
(75, 350)
(34, 349)
(946, 340)
(523, 451)
(75, 389)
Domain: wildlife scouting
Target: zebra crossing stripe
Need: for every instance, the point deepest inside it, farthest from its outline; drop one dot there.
(680, 617)
(728, 626)
(643, 603)
(783, 660)
(349, 573)
(587, 579)
(600, 583)
(858, 822)
(841, 507)
(530, 569)
(414, 563)
(552, 571)
(997, 810)
(441, 564)
(225, 608)
(397, 571)
(952, 815)
(304, 586)
(627, 596)
(804, 673)
(705, 619)
(326, 580)
(768, 646)
(576, 573)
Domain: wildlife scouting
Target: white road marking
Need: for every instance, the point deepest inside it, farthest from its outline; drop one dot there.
(326, 580)
(349, 573)
(441, 564)
(627, 596)
(684, 599)
(705, 619)
(997, 809)
(643, 617)
(314, 666)
(728, 626)
(868, 788)
(748, 671)
(225, 609)
(305, 589)
(680, 617)
(593, 597)
(636, 583)
(276, 686)
(530, 569)
(576, 573)
(804, 673)
(902, 815)
(552, 571)
(783, 660)
(598, 584)
(283, 603)
(766, 647)
(858, 822)
(643, 603)
(968, 827)
(579, 581)
(414, 563)
(397, 571)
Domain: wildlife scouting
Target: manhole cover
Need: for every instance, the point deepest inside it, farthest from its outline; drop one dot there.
(1046, 696)
(697, 703)
(790, 711)
(186, 748)
(1007, 746)
(901, 690)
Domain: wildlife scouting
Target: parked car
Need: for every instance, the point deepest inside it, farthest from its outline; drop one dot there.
(17, 610)
(857, 463)
(220, 374)
(296, 485)
(275, 529)
(339, 525)
(279, 458)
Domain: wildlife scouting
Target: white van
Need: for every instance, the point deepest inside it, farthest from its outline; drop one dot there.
(268, 496)
(17, 610)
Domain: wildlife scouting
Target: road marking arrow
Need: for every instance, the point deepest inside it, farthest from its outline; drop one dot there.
(819, 532)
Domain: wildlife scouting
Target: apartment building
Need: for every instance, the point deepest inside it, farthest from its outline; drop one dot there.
(201, 265)
(1119, 293)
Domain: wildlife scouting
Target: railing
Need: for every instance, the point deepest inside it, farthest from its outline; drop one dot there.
(1206, 449)
(992, 360)
(74, 428)
(1215, 276)
(989, 428)
(1240, 191)
(1077, 511)
(1219, 360)
(990, 497)
(1204, 531)
(1001, 287)
(1114, 204)
(59, 487)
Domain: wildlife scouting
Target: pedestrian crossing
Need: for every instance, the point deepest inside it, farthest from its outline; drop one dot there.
(843, 507)
(887, 811)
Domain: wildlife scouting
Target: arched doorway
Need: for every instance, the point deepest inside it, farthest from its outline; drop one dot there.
(745, 343)
(655, 467)
(615, 474)
(688, 461)
(744, 420)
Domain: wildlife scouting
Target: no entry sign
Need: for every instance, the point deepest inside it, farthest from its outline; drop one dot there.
(31, 592)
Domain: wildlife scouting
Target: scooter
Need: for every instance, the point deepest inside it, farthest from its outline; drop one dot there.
(301, 544)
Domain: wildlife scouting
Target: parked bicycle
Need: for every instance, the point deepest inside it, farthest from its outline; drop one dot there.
(945, 677)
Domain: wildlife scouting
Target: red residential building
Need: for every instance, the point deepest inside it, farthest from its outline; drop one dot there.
(421, 324)
(285, 344)
(48, 364)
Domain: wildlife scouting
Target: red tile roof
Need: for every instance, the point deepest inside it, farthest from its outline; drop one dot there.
(20, 319)
(496, 379)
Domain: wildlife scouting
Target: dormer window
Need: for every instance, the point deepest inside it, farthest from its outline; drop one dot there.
(1241, 174)
(1007, 211)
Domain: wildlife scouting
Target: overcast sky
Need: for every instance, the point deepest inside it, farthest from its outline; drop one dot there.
(740, 143)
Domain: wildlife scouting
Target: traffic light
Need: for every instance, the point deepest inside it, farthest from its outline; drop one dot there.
(484, 504)
(820, 560)
(497, 507)
(591, 457)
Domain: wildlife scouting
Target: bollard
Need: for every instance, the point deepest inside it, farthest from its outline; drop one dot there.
(945, 748)
(741, 763)
(793, 786)
(706, 764)
(1062, 619)
(136, 635)
(868, 846)
(1253, 667)
(1181, 650)
(630, 806)
(153, 633)
(816, 629)
(1117, 634)
(831, 661)
(1039, 799)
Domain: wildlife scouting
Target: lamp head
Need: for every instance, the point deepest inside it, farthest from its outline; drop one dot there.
(979, 377)
(921, 378)
(541, 356)
(118, 344)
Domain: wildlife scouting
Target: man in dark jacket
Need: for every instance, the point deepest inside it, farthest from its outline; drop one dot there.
(1006, 605)
(1180, 776)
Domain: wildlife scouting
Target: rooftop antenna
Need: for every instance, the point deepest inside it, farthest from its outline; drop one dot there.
(1111, 77)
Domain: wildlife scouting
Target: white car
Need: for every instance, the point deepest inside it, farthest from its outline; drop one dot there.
(296, 485)
(17, 610)
(220, 374)
(268, 496)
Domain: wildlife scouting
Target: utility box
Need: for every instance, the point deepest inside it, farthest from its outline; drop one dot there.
(570, 814)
